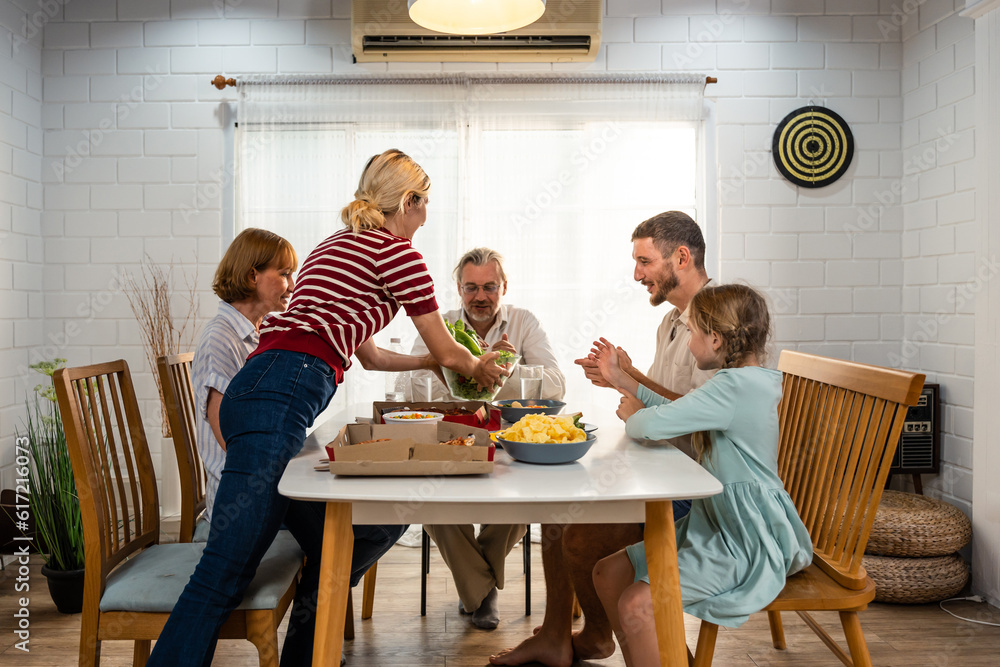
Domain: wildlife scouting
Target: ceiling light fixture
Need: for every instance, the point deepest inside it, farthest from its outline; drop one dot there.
(475, 17)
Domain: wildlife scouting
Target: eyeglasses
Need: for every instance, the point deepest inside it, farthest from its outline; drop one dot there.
(472, 288)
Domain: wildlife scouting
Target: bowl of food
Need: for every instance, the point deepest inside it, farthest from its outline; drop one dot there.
(545, 439)
(464, 388)
(513, 409)
(412, 417)
(547, 452)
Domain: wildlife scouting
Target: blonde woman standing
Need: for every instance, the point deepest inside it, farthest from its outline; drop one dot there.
(350, 287)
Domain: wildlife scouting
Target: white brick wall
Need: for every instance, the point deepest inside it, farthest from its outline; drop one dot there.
(132, 135)
(938, 158)
(21, 264)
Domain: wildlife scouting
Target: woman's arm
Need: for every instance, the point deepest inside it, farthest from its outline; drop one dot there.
(212, 415)
(374, 358)
(447, 352)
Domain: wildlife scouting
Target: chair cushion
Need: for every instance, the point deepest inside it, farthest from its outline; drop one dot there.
(201, 529)
(153, 580)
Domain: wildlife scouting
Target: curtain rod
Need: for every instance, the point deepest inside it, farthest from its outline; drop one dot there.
(221, 81)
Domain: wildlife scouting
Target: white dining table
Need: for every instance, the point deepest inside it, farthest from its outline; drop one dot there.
(620, 480)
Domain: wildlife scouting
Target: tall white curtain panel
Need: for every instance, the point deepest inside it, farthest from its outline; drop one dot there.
(553, 171)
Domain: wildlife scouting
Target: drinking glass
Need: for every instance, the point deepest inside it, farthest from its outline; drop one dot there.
(423, 386)
(531, 381)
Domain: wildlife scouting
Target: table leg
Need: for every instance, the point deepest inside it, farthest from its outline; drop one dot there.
(665, 582)
(334, 584)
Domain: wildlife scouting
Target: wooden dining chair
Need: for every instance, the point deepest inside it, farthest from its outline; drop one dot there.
(131, 581)
(178, 397)
(839, 425)
(182, 415)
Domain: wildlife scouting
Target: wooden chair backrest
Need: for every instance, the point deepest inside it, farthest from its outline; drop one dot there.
(112, 465)
(840, 422)
(178, 397)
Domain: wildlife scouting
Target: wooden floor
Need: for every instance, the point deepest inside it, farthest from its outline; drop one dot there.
(903, 636)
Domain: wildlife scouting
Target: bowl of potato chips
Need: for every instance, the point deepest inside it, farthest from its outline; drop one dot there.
(547, 439)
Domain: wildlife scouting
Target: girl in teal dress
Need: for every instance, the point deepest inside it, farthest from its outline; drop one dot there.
(735, 549)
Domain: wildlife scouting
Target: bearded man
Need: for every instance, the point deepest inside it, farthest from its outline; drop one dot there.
(669, 254)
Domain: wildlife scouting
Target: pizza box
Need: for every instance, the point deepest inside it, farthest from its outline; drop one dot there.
(483, 414)
(410, 449)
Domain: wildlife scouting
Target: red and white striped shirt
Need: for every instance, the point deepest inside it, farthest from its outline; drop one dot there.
(350, 287)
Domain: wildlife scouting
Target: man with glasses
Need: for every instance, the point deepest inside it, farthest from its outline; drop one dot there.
(477, 561)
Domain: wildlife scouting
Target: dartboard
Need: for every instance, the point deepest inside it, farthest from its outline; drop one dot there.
(812, 147)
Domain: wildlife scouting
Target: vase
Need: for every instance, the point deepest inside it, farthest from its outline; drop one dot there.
(65, 589)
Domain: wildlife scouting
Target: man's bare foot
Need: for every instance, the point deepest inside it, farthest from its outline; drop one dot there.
(587, 647)
(536, 649)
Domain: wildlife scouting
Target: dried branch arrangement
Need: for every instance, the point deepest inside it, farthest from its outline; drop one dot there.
(149, 296)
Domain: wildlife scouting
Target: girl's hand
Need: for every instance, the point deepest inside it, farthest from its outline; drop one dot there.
(629, 405)
(591, 370)
(608, 362)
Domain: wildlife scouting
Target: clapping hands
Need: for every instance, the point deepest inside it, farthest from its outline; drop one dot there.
(608, 366)
(592, 370)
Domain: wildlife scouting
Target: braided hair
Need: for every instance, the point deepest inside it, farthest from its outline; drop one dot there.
(738, 314)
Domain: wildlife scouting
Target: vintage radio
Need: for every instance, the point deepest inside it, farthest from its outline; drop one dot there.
(919, 445)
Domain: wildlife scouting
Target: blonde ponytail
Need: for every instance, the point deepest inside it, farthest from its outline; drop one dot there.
(388, 180)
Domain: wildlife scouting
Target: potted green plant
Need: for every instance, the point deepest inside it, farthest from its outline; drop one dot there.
(55, 506)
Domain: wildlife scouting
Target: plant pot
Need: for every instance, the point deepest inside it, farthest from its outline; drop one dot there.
(65, 589)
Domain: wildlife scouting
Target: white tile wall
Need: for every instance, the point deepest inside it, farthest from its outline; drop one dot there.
(21, 264)
(132, 138)
(938, 84)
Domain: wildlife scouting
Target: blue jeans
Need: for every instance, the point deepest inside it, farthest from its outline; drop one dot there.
(263, 418)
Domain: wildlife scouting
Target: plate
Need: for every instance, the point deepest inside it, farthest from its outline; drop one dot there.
(399, 417)
(588, 428)
(545, 453)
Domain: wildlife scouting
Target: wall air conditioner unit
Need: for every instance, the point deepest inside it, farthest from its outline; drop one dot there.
(569, 31)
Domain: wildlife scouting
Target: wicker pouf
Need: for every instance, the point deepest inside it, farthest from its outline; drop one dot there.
(916, 580)
(917, 526)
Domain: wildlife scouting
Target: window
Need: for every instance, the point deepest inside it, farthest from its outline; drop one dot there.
(558, 196)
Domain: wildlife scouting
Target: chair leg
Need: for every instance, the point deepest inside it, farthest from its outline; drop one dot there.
(855, 639)
(349, 617)
(526, 548)
(140, 653)
(263, 634)
(705, 651)
(368, 603)
(777, 630)
(90, 645)
(425, 567)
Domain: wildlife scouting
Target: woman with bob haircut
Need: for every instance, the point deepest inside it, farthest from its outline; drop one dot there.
(254, 278)
(350, 288)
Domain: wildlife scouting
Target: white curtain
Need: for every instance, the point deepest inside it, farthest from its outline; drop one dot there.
(553, 171)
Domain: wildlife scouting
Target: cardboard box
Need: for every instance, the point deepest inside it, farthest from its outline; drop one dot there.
(484, 415)
(412, 449)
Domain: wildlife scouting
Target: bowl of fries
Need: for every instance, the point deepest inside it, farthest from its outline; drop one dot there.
(546, 439)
